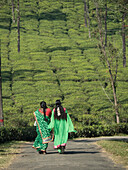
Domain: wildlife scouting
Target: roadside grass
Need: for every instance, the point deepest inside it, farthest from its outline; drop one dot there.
(8, 152)
(117, 150)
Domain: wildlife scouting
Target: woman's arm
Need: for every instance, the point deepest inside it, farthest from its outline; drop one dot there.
(70, 124)
(51, 125)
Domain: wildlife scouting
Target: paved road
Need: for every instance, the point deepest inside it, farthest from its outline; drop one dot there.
(79, 155)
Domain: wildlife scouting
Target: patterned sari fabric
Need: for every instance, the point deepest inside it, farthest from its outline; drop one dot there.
(43, 133)
(61, 130)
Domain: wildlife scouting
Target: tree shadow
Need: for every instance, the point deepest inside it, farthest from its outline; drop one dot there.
(4, 27)
(6, 75)
(54, 15)
(103, 108)
(113, 31)
(14, 27)
(6, 97)
(87, 47)
(57, 48)
(85, 140)
(4, 19)
(123, 101)
(118, 140)
(1, 150)
(15, 153)
(109, 138)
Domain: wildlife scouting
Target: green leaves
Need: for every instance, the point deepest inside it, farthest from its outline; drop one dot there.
(57, 61)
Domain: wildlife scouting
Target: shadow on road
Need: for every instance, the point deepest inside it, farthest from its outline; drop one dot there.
(79, 152)
(111, 138)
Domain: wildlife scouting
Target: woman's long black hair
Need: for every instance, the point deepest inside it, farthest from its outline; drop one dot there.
(62, 115)
(44, 106)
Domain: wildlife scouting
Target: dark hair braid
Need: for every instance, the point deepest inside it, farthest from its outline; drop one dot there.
(62, 115)
(44, 106)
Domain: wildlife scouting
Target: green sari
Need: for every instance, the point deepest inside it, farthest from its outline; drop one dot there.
(43, 133)
(61, 130)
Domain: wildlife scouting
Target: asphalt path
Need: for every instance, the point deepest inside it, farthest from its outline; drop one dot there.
(80, 154)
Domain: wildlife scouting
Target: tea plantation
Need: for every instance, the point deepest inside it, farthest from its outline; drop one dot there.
(58, 60)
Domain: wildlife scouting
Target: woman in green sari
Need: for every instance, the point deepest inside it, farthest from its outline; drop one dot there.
(62, 125)
(42, 118)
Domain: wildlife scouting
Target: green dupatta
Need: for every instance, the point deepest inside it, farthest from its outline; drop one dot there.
(43, 127)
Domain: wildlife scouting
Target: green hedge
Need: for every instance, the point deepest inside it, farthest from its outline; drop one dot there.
(101, 130)
(29, 133)
(24, 134)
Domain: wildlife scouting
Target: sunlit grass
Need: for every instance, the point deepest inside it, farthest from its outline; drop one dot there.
(8, 152)
(117, 149)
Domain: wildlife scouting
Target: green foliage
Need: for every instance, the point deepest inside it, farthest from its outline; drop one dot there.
(59, 61)
(29, 133)
(23, 134)
(89, 120)
(101, 130)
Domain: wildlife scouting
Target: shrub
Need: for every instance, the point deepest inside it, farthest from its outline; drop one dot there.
(29, 133)
(25, 134)
(101, 130)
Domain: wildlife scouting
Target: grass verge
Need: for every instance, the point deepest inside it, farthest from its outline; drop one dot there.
(8, 151)
(117, 150)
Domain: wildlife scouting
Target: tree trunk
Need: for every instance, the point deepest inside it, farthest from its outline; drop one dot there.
(105, 23)
(114, 93)
(123, 40)
(109, 67)
(13, 13)
(89, 29)
(18, 25)
(85, 13)
(1, 107)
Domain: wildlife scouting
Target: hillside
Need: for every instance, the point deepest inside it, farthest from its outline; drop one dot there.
(58, 60)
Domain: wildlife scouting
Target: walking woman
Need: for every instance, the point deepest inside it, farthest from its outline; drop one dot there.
(42, 118)
(62, 125)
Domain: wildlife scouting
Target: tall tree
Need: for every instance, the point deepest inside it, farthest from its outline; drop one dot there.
(122, 7)
(85, 13)
(108, 62)
(1, 108)
(89, 26)
(18, 24)
(123, 40)
(105, 18)
(13, 11)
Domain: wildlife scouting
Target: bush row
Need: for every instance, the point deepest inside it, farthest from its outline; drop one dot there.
(101, 130)
(63, 64)
(20, 134)
(29, 133)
